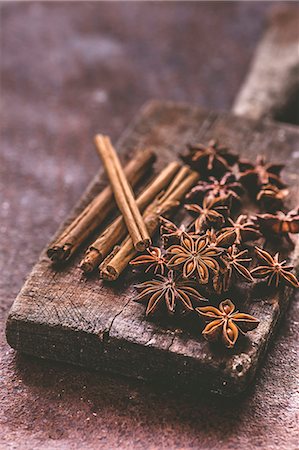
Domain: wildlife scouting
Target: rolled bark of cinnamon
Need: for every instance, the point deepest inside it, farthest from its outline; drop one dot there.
(97, 210)
(123, 193)
(117, 230)
(164, 205)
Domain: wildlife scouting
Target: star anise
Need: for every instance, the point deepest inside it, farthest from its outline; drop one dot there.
(153, 260)
(171, 233)
(211, 213)
(226, 322)
(195, 256)
(271, 198)
(221, 238)
(212, 159)
(227, 188)
(274, 270)
(244, 228)
(235, 266)
(279, 224)
(171, 290)
(253, 176)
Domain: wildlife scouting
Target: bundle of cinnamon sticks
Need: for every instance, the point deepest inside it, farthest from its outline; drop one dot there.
(131, 231)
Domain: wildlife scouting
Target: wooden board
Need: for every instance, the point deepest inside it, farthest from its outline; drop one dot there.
(63, 316)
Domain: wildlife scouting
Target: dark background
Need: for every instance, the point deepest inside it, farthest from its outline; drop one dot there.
(67, 71)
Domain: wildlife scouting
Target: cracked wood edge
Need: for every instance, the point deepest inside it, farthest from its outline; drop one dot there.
(60, 315)
(273, 79)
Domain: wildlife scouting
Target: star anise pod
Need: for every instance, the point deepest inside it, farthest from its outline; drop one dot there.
(244, 228)
(235, 267)
(195, 256)
(212, 159)
(271, 198)
(211, 213)
(169, 290)
(221, 238)
(279, 224)
(274, 270)
(226, 322)
(227, 188)
(171, 233)
(153, 260)
(253, 176)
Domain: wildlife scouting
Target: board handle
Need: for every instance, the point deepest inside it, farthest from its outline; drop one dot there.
(272, 83)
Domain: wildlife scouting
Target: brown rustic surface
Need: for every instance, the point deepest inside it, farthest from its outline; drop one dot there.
(59, 87)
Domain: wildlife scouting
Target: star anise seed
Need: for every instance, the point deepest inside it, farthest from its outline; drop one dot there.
(271, 198)
(227, 188)
(226, 322)
(253, 176)
(244, 228)
(235, 266)
(170, 233)
(169, 290)
(221, 238)
(273, 270)
(211, 213)
(212, 159)
(279, 224)
(152, 259)
(195, 256)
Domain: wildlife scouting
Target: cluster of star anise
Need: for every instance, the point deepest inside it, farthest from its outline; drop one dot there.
(214, 252)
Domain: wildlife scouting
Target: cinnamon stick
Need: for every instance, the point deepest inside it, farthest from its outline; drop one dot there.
(123, 193)
(164, 205)
(183, 173)
(97, 210)
(116, 231)
(110, 256)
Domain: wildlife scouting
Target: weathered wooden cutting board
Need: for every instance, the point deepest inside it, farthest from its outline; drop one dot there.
(63, 316)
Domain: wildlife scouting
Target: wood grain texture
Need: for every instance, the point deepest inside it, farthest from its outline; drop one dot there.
(62, 316)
